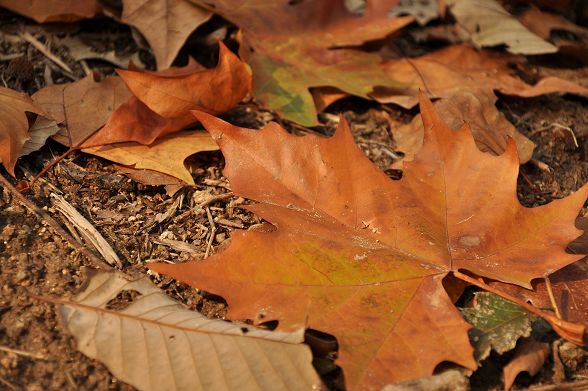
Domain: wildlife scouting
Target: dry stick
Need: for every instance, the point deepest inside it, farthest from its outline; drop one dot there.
(97, 262)
(574, 332)
(216, 198)
(212, 232)
(23, 353)
(45, 51)
(8, 384)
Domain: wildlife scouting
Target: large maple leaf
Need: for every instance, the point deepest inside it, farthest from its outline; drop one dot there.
(363, 257)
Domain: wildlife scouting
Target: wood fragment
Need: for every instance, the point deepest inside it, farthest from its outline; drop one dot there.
(86, 229)
(23, 353)
(96, 262)
(8, 384)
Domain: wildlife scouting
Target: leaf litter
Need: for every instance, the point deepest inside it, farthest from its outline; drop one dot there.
(91, 177)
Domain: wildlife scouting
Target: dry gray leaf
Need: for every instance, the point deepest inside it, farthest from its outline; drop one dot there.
(158, 344)
(489, 24)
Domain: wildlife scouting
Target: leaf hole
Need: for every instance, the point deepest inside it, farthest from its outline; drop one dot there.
(124, 299)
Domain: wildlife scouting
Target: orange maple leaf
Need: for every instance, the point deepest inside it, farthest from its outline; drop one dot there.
(363, 257)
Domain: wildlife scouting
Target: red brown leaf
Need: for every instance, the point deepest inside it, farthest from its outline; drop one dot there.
(44, 11)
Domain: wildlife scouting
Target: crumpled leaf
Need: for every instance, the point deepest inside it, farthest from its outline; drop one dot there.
(490, 127)
(498, 324)
(82, 106)
(458, 67)
(211, 90)
(165, 155)
(529, 357)
(44, 11)
(165, 24)
(290, 47)
(14, 125)
(489, 24)
(362, 257)
(157, 343)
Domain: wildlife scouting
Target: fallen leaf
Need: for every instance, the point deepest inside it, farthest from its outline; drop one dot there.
(165, 155)
(489, 24)
(165, 24)
(458, 67)
(44, 11)
(82, 106)
(163, 99)
(529, 357)
(156, 343)
(362, 257)
(424, 11)
(490, 127)
(14, 125)
(451, 379)
(498, 324)
(544, 24)
(297, 45)
(211, 90)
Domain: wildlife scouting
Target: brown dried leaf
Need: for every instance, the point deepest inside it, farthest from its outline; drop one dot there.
(529, 357)
(44, 11)
(490, 127)
(489, 24)
(82, 106)
(14, 125)
(156, 343)
(165, 155)
(165, 24)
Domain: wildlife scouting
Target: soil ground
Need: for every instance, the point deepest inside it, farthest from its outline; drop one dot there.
(36, 353)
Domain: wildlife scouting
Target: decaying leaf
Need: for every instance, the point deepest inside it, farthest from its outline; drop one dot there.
(490, 127)
(498, 324)
(489, 24)
(44, 11)
(290, 47)
(363, 257)
(165, 24)
(165, 155)
(82, 106)
(39, 132)
(529, 357)
(14, 125)
(157, 343)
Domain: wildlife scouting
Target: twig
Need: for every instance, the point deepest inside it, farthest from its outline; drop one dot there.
(552, 297)
(97, 262)
(62, 156)
(45, 51)
(216, 198)
(541, 165)
(212, 233)
(8, 384)
(23, 353)
(571, 331)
